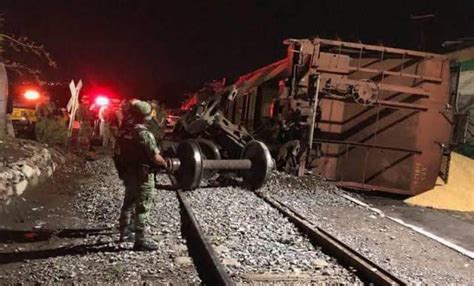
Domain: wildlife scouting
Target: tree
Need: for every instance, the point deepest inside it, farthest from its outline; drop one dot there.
(3, 102)
(21, 45)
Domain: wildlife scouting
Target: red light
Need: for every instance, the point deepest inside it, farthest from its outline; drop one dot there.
(102, 100)
(270, 109)
(31, 94)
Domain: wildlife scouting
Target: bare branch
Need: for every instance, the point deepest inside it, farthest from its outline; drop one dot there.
(29, 46)
(21, 69)
(23, 44)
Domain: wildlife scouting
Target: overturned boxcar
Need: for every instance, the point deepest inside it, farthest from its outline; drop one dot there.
(374, 117)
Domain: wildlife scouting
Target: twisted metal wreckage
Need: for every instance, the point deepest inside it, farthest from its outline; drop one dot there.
(363, 116)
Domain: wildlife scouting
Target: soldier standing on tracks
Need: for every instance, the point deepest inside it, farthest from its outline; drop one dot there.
(139, 153)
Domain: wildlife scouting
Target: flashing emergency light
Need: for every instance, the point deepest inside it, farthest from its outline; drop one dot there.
(31, 94)
(102, 100)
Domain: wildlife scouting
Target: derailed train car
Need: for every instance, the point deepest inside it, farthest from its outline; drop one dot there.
(369, 117)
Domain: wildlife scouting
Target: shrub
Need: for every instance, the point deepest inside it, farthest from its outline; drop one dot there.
(51, 131)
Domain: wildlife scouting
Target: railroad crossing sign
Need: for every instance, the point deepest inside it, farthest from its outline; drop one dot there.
(73, 103)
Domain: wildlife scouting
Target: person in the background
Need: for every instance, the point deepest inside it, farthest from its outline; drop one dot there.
(63, 117)
(49, 129)
(113, 125)
(84, 136)
(121, 112)
(104, 126)
(45, 110)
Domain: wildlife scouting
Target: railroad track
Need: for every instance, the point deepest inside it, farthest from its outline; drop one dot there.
(213, 271)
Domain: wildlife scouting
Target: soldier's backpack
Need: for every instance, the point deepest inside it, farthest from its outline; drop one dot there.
(123, 152)
(127, 153)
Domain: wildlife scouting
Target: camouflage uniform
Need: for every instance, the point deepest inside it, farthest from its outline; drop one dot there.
(139, 179)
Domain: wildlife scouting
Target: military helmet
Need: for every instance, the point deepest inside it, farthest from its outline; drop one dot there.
(142, 109)
(126, 104)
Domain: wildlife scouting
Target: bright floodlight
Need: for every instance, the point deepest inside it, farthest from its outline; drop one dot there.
(102, 100)
(31, 94)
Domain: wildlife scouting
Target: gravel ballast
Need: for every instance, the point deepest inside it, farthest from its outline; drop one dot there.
(405, 253)
(165, 228)
(98, 258)
(253, 239)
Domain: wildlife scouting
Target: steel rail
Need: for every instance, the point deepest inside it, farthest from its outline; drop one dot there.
(210, 268)
(348, 257)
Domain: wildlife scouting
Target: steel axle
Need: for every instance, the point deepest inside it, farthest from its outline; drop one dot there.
(189, 165)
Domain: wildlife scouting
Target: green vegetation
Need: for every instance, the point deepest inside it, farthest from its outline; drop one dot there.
(51, 131)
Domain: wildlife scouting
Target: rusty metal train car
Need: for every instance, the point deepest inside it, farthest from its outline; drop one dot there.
(375, 117)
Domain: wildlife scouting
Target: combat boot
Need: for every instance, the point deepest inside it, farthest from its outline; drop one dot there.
(145, 245)
(126, 235)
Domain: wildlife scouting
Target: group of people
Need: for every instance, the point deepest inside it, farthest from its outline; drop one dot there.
(136, 156)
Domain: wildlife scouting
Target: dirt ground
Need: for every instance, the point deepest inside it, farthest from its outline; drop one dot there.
(64, 231)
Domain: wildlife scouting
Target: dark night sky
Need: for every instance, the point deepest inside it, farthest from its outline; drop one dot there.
(162, 48)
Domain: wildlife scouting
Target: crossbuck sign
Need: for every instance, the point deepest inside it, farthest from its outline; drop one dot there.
(73, 103)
